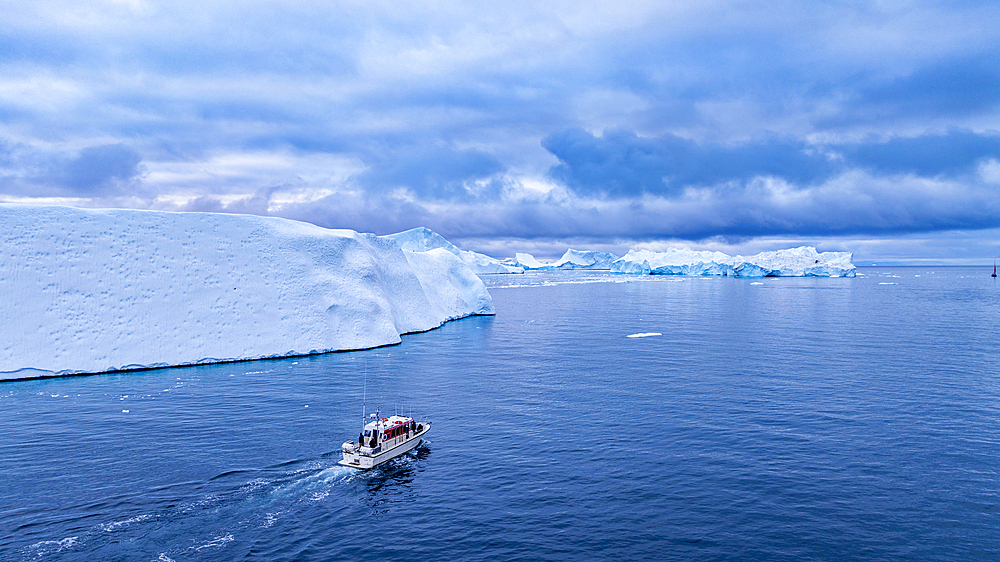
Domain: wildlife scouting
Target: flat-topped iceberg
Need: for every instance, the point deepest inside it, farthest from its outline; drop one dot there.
(804, 261)
(92, 291)
(674, 262)
(572, 259)
(422, 239)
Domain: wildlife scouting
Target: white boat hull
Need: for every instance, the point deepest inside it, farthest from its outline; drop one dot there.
(357, 459)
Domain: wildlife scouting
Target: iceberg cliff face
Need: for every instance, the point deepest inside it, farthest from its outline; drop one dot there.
(422, 239)
(796, 262)
(92, 291)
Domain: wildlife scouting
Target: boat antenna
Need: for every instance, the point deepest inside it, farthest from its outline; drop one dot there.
(364, 398)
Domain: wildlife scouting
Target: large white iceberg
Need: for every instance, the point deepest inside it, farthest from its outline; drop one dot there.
(422, 239)
(804, 261)
(572, 259)
(92, 291)
(674, 262)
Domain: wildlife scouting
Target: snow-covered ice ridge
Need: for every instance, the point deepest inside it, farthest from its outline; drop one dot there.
(422, 239)
(804, 261)
(88, 291)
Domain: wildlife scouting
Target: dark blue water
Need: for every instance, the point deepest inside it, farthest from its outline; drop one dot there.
(827, 419)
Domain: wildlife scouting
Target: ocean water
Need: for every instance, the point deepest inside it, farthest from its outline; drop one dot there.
(774, 419)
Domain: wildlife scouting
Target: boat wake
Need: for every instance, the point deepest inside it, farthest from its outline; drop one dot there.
(220, 515)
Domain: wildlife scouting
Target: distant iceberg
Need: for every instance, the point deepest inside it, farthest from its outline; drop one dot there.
(674, 262)
(572, 259)
(91, 291)
(804, 261)
(528, 261)
(422, 239)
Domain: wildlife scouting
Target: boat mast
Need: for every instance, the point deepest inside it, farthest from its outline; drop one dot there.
(364, 399)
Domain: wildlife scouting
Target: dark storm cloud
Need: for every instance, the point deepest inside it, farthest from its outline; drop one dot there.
(948, 154)
(621, 164)
(955, 87)
(99, 169)
(432, 171)
(95, 171)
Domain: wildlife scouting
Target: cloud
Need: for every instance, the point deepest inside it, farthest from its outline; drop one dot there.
(621, 164)
(432, 171)
(651, 120)
(959, 86)
(92, 172)
(101, 169)
(949, 154)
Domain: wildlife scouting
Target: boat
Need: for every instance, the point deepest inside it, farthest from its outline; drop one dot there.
(994, 268)
(383, 439)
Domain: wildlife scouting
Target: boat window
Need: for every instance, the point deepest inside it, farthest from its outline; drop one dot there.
(368, 433)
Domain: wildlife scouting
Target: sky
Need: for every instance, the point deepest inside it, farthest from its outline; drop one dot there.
(871, 127)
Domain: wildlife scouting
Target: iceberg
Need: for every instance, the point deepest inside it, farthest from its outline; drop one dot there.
(674, 262)
(528, 261)
(423, 239)
(88, 291)
(804, 261)
(572, 259)
(585, 259)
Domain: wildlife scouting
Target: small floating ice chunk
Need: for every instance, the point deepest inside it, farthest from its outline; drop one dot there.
(124, 411)
(644, 335)
(887, 283)
(757, 283)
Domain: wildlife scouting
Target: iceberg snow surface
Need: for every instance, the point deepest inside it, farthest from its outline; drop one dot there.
(804, 261)
(422, 239)
(91, 291)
